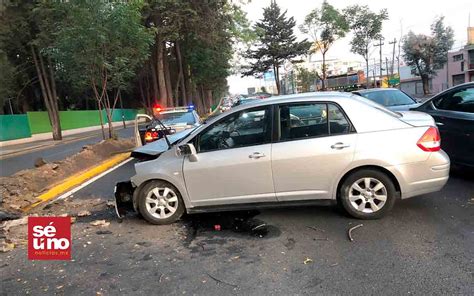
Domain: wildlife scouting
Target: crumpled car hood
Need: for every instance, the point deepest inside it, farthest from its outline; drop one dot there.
(159, 146)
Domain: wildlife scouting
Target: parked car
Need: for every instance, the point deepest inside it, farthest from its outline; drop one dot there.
(243, 101)
(391, 98)
(174, 119)
(292, 150)
(260, 95)
(453, 111)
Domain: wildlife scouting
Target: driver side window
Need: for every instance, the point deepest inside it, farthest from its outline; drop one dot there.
(461, 100)
(245, 128)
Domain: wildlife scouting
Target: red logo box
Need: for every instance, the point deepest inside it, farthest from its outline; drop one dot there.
(49, 238)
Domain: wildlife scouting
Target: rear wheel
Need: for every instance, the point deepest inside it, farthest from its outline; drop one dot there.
(160, 203)
(367, 194)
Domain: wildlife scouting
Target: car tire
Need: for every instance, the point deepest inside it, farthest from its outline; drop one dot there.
(367, 194)
(160, 203)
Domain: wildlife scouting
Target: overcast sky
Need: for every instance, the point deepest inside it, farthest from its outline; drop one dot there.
(404, 15)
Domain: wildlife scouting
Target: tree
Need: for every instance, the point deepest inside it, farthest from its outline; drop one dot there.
(99, 46)
(305, 79)
(366, 27)
(426, 54)
(325, 25)
(276, 43)
(25, 35)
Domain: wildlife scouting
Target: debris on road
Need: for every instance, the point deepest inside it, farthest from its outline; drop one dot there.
(308, 261)
(101, 223)
(218, 281)
(22, 189)
(12, 233)
(352, 229)
(83, 213)
(39, 162)
(315, 228)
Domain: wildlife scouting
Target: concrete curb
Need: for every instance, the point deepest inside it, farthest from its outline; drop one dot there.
(77, 179)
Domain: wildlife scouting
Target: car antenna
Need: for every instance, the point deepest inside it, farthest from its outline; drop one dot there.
(164, 131)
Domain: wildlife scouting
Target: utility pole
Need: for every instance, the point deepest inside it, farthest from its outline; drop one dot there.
(386, 68)
(393, 54)
(380, 52)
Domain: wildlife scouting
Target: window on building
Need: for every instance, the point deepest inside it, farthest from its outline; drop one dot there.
(458, 79)
(458, 57)
(462, 66)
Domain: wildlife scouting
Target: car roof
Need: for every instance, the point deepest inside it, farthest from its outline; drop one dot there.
(375, 90)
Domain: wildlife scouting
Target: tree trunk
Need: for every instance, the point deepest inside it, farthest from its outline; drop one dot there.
(276, 74)
(367, 73)
(154, 80)
(188, 83)
(184, 99)
(169, 92)
(426, 84)
(161, 73)
(209, 98)
(48, 92)
(323, 81)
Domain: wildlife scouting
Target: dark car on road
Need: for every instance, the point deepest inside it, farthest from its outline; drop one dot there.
(174, 119)
(391, 98)
(453, 111)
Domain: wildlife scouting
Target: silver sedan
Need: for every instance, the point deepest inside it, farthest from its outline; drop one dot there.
(301, 149)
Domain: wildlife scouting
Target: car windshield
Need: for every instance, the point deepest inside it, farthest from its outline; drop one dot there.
(377, 106)
(388, 98)
(177, 117)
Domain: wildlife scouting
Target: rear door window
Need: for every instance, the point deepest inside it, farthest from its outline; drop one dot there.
(301, 121)
(461, 100)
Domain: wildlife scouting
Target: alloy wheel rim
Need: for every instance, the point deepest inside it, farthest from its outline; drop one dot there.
(367, 195)
(161, 202)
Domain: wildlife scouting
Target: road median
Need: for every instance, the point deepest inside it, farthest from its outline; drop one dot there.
(77, 179)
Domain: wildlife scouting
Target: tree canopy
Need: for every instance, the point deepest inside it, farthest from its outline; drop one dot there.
(276, 43)
(426, 54)
(366, 27)
(325, 25)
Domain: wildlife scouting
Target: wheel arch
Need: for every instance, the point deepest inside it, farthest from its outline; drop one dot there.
(389, 174)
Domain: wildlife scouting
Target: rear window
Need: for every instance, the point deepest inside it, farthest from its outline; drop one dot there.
(377, 106)
(388, 98)
(177, 117)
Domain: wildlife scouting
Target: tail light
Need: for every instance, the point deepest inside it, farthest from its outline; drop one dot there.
(430, 141)
(148, 136)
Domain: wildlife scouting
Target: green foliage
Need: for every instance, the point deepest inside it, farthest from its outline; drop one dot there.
(276, 42)
(100, 41)
(425, 54)
(366, 27)
(325, 25)
(305, 78)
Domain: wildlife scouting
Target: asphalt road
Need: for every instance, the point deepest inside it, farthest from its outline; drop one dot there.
(424, 247)
(11, 165)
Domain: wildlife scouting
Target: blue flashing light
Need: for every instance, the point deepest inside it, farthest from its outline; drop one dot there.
(191, 107)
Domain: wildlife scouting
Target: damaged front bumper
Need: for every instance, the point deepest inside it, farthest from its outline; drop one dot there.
(123, 193)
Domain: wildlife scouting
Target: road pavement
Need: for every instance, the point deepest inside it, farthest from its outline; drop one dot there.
(51, 151)
(425, 246)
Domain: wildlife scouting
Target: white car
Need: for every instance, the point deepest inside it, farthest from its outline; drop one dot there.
(302, 149)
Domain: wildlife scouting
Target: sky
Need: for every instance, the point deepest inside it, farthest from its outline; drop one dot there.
(404, 15)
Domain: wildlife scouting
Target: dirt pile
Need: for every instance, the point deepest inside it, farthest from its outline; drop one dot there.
(22, 189)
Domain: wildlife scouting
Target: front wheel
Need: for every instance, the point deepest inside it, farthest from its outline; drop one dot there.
(160, 203)
(367, 194)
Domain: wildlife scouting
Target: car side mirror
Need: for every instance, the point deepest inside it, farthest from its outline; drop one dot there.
(187, 150)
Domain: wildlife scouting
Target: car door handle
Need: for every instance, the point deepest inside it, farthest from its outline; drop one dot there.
(340, 145)
(439, 123)
(256, 155)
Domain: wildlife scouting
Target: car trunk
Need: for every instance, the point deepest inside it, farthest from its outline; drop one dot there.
(416, 118)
